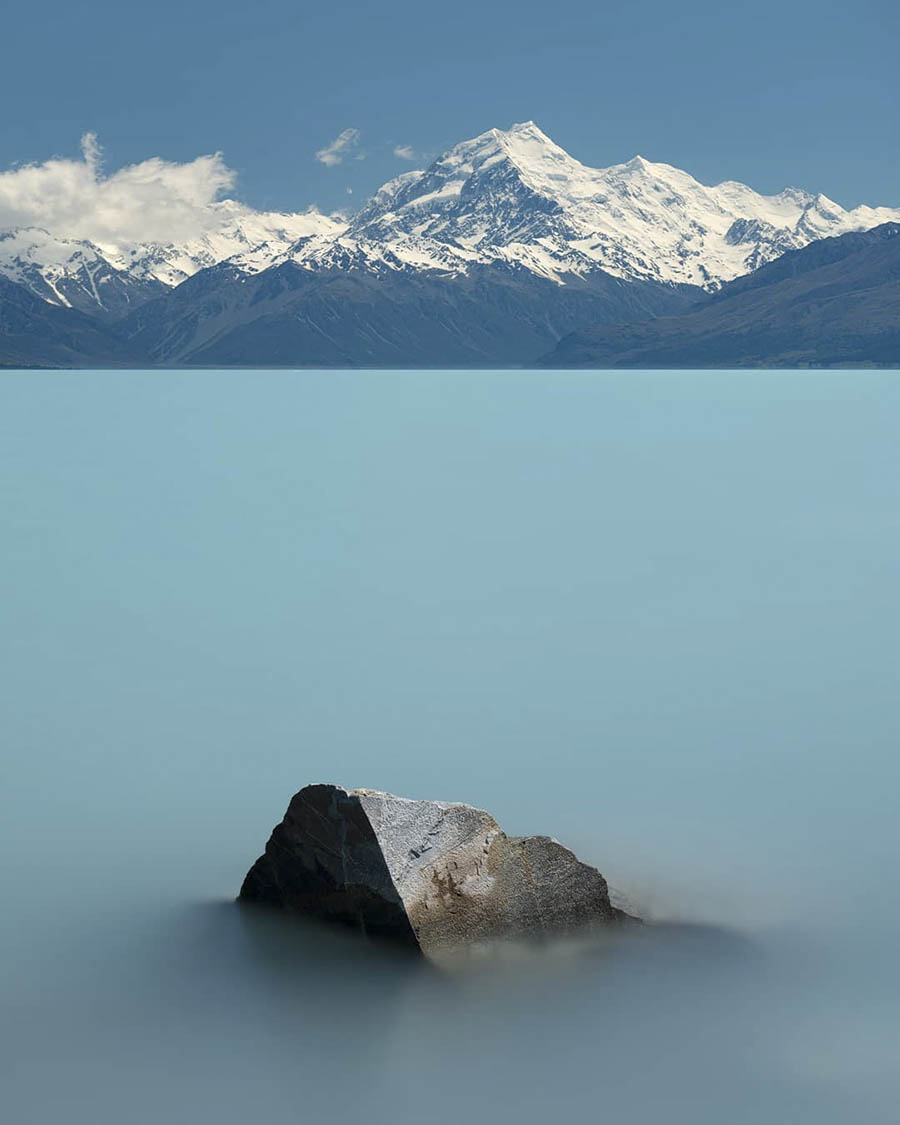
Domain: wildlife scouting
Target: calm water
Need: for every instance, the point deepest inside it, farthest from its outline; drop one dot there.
(655, 615)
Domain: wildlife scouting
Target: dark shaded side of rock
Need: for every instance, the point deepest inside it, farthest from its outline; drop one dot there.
(324, 860)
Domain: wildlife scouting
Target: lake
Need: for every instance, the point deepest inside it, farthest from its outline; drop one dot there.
(653, 614)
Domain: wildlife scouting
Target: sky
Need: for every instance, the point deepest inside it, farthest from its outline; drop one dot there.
(320, 104)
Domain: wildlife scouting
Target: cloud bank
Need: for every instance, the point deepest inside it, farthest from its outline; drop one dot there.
(404, 152)
(342, 146)
(155, 200)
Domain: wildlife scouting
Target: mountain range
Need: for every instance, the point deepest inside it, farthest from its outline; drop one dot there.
(504, 251)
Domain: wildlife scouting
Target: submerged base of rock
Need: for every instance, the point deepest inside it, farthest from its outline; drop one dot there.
(434, 876)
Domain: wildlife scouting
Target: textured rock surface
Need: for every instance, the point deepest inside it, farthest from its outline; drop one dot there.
(426, 873)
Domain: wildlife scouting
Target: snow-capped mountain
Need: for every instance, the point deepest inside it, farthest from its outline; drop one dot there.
(506, 197)
(516, 196)
(73, 273)
(110, 280)
(835, 302)
(249, 240)
(492, 254)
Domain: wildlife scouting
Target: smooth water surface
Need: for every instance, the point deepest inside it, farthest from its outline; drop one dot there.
(653, 614)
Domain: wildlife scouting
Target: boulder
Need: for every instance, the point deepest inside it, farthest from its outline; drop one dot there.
(433, 876)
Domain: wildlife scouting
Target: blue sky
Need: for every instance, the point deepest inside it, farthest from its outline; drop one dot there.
(773, 94)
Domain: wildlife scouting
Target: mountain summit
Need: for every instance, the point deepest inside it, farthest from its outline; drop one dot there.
(516, 195)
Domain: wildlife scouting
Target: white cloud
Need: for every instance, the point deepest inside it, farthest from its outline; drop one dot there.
(155, 200)
(341, 146)
(405, 152)
(92, 152)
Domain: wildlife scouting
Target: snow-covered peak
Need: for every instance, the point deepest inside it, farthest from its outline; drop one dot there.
(109, 277)
(487, 191)
(23, 248)
(515, 194)
(68, 271)
(250, 240)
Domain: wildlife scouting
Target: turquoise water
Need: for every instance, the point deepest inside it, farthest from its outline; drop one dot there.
(652, 614)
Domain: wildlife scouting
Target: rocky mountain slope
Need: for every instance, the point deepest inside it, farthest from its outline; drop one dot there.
(360, 312)
(835, 302)
(35, 333)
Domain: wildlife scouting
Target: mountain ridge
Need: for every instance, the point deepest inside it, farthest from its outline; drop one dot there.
(501, 248)
(505, 196)
(835, 302)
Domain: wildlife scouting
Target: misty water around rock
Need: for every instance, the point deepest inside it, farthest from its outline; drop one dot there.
(651, 615)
